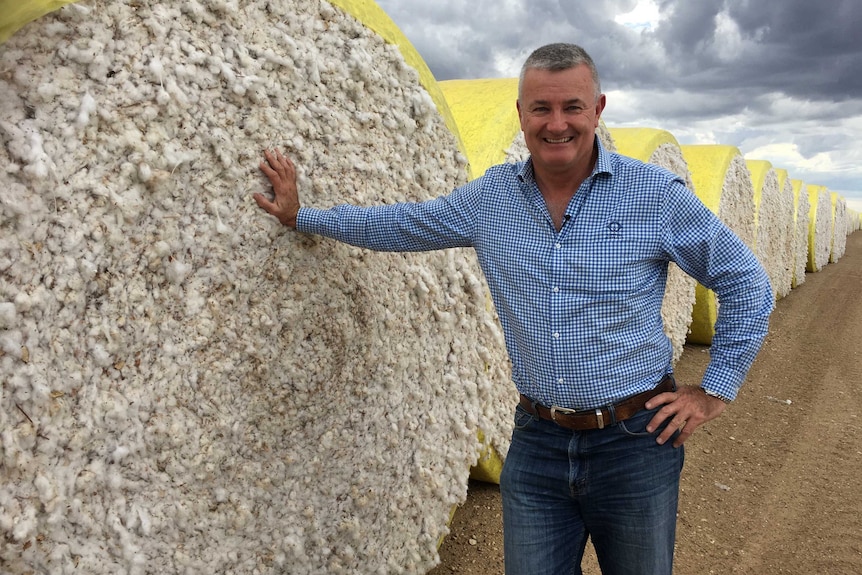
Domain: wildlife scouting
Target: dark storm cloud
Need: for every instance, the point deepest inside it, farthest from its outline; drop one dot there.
(751, 73)
(801, 48)
(798, 47)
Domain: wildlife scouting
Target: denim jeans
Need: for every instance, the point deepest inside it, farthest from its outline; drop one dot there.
(615, 485)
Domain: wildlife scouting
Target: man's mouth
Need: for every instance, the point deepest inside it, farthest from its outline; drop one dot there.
(558, 140)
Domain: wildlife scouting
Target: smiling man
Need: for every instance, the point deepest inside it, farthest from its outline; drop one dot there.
(559, 112)
(575, 244)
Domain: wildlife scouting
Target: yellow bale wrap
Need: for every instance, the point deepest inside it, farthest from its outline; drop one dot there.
(486, 116)
(15, 14)
(641, 143)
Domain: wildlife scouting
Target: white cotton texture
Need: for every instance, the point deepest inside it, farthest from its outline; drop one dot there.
(188, 386)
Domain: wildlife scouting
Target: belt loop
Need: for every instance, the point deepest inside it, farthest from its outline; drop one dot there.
(672, 380)
(613, 413)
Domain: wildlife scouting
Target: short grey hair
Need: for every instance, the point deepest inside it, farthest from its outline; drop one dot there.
(559, 57)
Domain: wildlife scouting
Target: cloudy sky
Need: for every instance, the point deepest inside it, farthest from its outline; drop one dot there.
(779, 79)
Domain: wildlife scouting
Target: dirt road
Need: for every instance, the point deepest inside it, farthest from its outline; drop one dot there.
(775, 484)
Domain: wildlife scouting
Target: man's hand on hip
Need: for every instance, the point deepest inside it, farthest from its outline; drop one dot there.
(685, 410)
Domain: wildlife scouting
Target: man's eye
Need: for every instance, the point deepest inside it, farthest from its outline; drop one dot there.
(576, 109)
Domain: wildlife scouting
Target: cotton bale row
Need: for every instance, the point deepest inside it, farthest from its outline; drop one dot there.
(661, 148)
(801, 209)
(723, 183)
(187, 387)
(773, 219)
(486, 117)
(820, 227)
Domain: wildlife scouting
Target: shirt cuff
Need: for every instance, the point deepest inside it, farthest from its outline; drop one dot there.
(308, 220)
(722, 382)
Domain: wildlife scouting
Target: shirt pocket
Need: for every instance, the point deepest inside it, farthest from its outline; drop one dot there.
(615, 264)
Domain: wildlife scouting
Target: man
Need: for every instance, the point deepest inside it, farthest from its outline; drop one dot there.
(575, 245)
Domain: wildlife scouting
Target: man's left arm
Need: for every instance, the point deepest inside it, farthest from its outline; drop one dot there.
(705, 248)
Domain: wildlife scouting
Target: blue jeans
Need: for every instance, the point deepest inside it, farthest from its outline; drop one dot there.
(615, 485)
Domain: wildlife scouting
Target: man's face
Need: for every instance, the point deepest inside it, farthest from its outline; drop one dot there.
(559, 115)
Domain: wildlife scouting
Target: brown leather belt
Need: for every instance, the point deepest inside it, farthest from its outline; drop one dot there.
(600, 417)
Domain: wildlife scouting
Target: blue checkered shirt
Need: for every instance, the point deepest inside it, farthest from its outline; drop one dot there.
(580, 308)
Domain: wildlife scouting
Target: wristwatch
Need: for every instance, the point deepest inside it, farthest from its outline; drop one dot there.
(716, 395)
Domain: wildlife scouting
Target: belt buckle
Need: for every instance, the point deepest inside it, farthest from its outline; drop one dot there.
(600, 420)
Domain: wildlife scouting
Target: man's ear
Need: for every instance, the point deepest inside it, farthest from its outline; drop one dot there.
(600, 106)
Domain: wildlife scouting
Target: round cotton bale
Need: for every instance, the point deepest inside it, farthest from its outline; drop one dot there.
(839, 227)
(801, 208)
(773, 220)
(723, 183)
(661, 148)
(487, 121)
(486, 116)
(188, 387)
(819, 227)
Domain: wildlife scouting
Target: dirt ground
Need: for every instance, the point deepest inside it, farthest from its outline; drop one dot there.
(772, 486)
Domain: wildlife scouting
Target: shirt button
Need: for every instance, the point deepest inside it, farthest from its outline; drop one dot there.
(558, 246)
(556, 289)
(557, 334)
(561, 381)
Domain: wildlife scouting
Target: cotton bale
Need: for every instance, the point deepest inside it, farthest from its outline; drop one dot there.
(723, 183)
(487, 120)
(772, 220)
(661, 148)
(187, 386)
(819, 227)
(839, 227)
(800, 233)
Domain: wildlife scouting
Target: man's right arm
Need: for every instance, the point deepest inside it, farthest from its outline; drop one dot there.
(444, 222)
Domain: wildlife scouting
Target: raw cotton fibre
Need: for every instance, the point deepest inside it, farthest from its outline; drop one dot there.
(839, 227)
(188, 387)
(819, 227)
(723, 183)
(772, 222)
(661, 148)
(801, 209)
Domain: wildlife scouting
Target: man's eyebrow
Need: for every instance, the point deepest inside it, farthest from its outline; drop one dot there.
(565, 102)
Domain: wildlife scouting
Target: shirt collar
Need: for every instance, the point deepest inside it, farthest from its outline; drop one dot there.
(603, 164)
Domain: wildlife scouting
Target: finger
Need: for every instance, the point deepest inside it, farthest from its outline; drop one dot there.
(661, 399)
(267, 169)
(264, 203)
(676, 424)
(683, 435)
